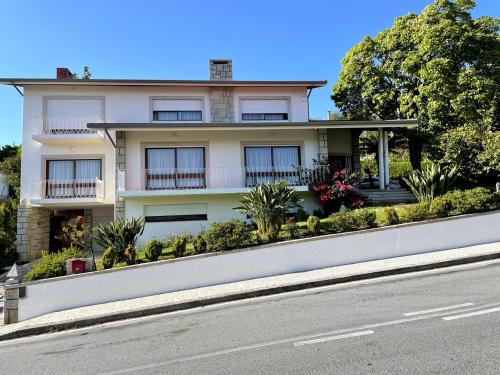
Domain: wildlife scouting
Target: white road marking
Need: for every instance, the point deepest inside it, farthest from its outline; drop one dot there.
(291, 340)
(452, 307)
(333, 338)
(474, 313)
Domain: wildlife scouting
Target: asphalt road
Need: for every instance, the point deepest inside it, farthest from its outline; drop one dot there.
(435, 322)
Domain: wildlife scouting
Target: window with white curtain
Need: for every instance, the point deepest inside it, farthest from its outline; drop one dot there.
(175, 168)
(177, 109)
(272, 163)
(73, 178)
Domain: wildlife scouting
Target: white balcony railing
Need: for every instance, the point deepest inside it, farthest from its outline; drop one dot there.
(54, 125)
(215, 177)
(65, 189)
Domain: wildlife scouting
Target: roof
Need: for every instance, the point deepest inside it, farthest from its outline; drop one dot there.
(318, 124)
(156, 82)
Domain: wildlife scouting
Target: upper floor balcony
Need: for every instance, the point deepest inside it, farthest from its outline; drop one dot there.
(213, 180)
(61, 129)
(66, 192)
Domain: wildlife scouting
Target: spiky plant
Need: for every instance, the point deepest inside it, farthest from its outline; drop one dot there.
(267, 205)
(431, 182)
(119, 234)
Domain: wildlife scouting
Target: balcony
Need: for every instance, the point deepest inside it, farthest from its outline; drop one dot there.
(215, 180)
(67, 192)
(60, 130)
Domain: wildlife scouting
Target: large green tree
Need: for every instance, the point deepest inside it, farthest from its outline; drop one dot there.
(441, 67)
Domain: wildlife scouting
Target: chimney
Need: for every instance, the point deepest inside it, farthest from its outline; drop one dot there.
(221, 70)
(64, 73)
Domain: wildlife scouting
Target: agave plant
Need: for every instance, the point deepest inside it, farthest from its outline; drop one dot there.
(267, 205)
(431, 182)
(119, 234)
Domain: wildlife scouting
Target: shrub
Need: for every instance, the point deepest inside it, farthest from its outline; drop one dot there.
(179, 245)
(343, 221)
(365, 218)
(391, 216)
(417, 212)
(108, 258)
(74, 235)
(291, 229)
(442, 206)
(54, 264)
(318, 212)
(301, 215)
(153, 250)
(228, 235)
(199, 244)
(313, 224)
(120, 234)
(267, 205)
(471, 201)
(129, 255)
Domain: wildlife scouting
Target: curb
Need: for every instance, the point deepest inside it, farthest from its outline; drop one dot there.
(239, 296)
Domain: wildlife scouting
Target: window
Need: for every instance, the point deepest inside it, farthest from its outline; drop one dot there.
(177, 115)
(72, 178)
(70, 116)
(271, 163)
(177, 109)
(264, 116)
(175, 212)
(175, 168)
(255, 109)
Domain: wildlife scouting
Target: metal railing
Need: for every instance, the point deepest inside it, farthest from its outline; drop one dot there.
(54, 125)
(67, 188)
(216, 177)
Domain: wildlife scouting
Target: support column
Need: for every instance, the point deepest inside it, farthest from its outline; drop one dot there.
(356, 154)
(322, 144)
(381, 162)
(386, 159)
(121, 165)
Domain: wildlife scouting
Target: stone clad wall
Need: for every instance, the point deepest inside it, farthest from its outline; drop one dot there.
(120, 161)
(33, 230)
(221, 104)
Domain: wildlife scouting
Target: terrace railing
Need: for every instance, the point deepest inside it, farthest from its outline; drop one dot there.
(67, 188)
(54, 125)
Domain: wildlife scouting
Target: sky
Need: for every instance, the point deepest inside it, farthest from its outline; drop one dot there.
(174, 39)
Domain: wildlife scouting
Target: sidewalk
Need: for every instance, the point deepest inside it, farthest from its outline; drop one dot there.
(91, 315)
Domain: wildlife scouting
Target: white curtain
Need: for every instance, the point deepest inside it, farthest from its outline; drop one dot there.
(86, 173)
(160, 170)
(259, 165)
(60, 179)
(190, 167)
(286, 163)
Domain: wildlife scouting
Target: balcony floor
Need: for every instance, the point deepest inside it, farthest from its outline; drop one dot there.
(67, 202)
(55, 139)
(181, 192)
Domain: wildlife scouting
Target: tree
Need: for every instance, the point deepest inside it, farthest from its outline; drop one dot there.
(440, 66)
(85, 75)
(10, 168)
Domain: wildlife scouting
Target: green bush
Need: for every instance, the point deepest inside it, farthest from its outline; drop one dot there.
(391, 216)
(130, 255)
(109, 257)
(8, 219)
(313, 224)
(318, 212)
(417, 212)
(228, 235)
(153, 250)
(179, 245)
(199, 244)
(291, 229)
(365, 218)
(442, 206)
(53, 264)
(301, 215)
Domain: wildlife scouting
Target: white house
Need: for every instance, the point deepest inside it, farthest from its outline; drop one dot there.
(178, 152)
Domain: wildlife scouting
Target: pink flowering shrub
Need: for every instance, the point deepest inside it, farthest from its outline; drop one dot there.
(337, 191)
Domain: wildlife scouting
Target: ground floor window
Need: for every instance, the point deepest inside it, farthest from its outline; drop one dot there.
(339, 162)
(72, 178)
(271, 163)
(175, 167)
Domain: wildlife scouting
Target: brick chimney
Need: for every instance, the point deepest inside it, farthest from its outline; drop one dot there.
(64, 73)
(221, 70)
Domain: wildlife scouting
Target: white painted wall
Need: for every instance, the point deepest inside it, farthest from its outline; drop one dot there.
(47, 296)
(218, 208)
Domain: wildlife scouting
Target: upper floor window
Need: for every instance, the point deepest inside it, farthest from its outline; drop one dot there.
(177, 115)
(264, 109)
(72, 178)
(177, 109)
(71, 115)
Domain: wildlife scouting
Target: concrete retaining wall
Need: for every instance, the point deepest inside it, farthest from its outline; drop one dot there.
(45, 296)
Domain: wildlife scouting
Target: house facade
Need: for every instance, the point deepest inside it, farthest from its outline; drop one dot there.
(179, 153)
